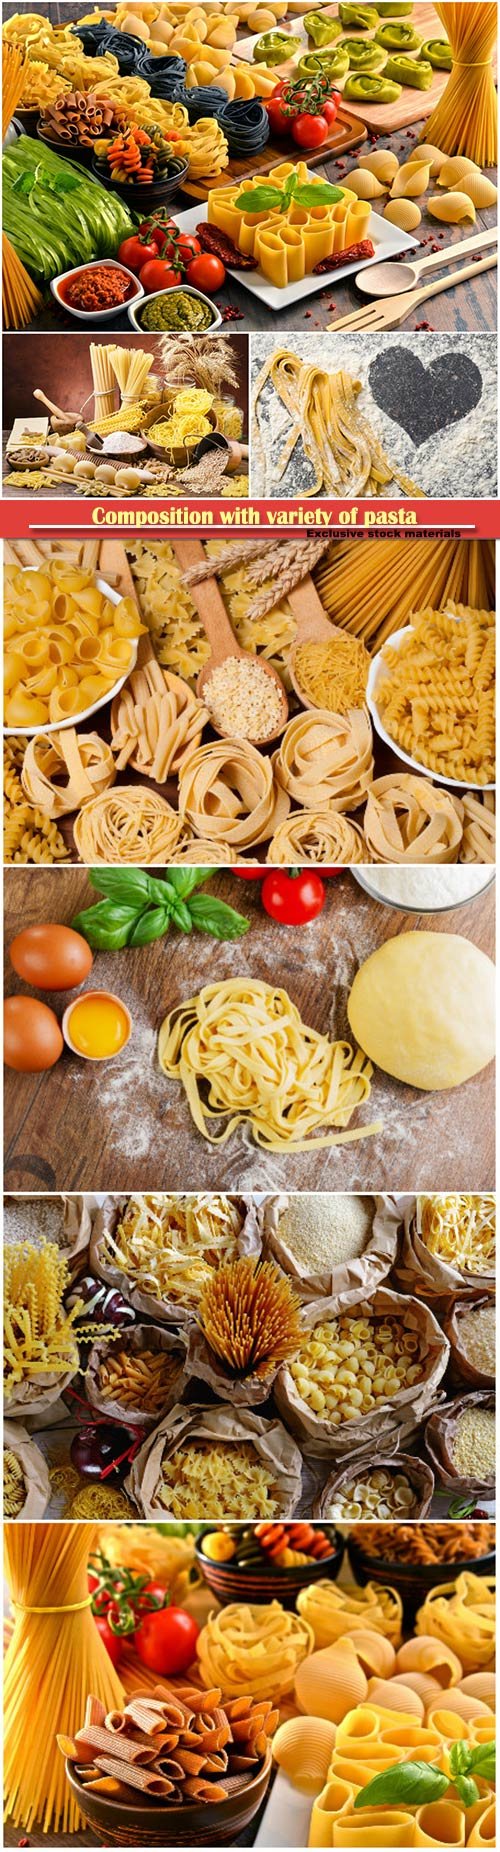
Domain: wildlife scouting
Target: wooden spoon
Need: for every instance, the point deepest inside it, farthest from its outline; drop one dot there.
(223, 643)
(114, 566)
(313, 626)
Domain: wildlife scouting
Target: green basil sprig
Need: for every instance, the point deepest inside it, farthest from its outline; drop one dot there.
(139, 908)
(415, 1783)
(266, 198)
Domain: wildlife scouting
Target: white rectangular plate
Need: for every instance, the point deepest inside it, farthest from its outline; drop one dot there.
(287, 1816)
(388, 239)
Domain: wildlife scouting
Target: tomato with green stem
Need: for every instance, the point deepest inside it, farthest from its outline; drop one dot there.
(294, 896)
(166, 1641)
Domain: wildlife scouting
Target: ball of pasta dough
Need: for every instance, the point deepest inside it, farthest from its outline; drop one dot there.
(422, 1008)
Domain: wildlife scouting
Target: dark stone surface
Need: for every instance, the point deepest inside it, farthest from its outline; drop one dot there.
(424, 399)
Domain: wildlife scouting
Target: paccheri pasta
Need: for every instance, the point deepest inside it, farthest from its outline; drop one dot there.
(66, 643)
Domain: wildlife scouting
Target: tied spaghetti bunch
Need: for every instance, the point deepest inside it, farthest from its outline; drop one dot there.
(250, 1317)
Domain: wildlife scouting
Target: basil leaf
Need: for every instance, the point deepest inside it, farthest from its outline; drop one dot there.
(128, 886)
(260, 199)
(460, 1758)
(321, 193)
(184, 881)
(213, 916)
(289, 189)
(410, 1782)
(181, 915)
(153, 924)
(483, 1760)
(106, 928)
(468, 1789)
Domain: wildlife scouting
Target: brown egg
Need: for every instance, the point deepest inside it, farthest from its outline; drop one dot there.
(32, 1037)
(51, 957)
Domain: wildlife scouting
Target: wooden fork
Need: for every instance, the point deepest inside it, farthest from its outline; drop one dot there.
(390, 311)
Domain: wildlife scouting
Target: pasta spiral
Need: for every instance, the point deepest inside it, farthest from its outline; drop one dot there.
(326, 760)
(263, 1066)
(314, 836)
(407, 819)
(128, 824)
(227, 791)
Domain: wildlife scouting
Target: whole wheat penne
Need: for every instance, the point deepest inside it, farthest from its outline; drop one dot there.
(106, 1784)
(191, 1763)
(216, 1764)
(95, 1710)
(114, 1720)
(147, 1780)
(169, 1767)
(200, 1790)
(145, 1718)
(121, 1746)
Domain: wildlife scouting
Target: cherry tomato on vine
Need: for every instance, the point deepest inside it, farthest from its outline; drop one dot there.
(330, 108)
(293, 898)
(166, 1641)
(248, 874)
(279, 122)
(206, 273)
(112, 1641)
(158, 275)
(133, 253)
(310, 131)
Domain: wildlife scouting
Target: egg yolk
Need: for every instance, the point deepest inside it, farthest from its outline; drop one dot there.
(98, 1027)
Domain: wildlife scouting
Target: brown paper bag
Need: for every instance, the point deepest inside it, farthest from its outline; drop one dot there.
(141, 1337)
(401, 1416)
(274, 1447)
(34, 1469)
(349, 1280)
(419, 1474)
(168, 1310)
(439, 1439)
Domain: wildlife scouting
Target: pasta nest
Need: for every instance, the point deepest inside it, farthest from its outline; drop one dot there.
(326, 760)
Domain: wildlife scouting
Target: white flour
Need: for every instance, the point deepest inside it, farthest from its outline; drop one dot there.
(426, 890)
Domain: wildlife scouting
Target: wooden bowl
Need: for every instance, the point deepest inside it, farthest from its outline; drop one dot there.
(412, 1580)
(267, 1583)
(147, 1823)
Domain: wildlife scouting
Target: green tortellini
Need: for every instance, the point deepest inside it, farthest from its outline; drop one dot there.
(397, 37)
(363, 54)
(394, 9)
(438, 53)
(362, 18)
(417, 74)
(366, 89)
(321, 29)
(275, 47)
(332, 63)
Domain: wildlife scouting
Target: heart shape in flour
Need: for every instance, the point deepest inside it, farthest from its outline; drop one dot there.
(424, 399)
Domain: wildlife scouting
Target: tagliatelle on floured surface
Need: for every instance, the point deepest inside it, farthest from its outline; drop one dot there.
(346, 456)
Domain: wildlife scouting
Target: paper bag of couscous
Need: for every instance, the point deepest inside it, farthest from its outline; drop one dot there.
(343, 1246)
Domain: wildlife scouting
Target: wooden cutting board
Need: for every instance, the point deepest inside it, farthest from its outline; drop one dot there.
(346, 132)
(411, 106)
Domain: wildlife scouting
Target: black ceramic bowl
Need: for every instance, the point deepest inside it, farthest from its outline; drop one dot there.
(412, 1580)
(147, 1823)
(72, 150)
(267, 1583)
(144, 198)
(25, 120)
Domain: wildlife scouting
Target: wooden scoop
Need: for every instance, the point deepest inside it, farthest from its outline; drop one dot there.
(61, 420)
(313, 626)
(223, 643)
(114, 566)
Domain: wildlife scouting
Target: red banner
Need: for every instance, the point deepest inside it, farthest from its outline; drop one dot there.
(41, 518)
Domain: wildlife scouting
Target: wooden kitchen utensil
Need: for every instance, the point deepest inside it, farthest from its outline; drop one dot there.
(313, 626)
(390, 313)
(223, 643)
(392, 279)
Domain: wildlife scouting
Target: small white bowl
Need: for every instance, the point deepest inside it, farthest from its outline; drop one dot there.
(378, 670)
(85, 996)
(58, 726)
(187, 290)
(95, 316)
(364, 880)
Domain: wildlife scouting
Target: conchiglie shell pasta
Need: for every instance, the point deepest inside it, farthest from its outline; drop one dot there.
(479, 189)
(330, 1683)
(376, 1655)
(389, 1692)
(403, 212)
(453, 171)
(383, 163)
(425, 1686)
(460, 1704)
(426, 1654)
(427, 152)
(411, 180)
(365, 184)
(452, 208)
(480, 1685)
(303, 1747)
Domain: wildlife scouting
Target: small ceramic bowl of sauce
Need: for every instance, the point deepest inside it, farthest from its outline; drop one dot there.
(97, 1026)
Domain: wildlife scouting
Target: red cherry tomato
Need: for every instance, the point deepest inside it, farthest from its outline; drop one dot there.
(166, 1641)
(293, 899)
(134, 254)
(112, 1642)
(206, 273)
(187, 247)
(158, 275)
(279, 122)
(249, 874)
(152, 1598)
(310, 131)
(330, 108)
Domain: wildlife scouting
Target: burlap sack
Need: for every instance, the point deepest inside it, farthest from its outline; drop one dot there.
(141, 1337)
(273, 1445)
(419, 1474)
(34, 1469)
(418, 1271)
(349, 1280)
(462, 1369)
(439, 1440)
(400, 1417)
(168, 1310)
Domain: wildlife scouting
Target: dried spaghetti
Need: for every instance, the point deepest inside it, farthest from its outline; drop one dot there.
(249, 1317)
(465, 119)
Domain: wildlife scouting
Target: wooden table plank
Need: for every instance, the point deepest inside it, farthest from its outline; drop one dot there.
(124, 1126)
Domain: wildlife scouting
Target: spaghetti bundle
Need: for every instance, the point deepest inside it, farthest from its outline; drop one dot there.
(131, 368)
(21, 301)
(465, 119)
(410, 576)
(249, 1317)
(55, 1657)
(102, 377)
(12, 83)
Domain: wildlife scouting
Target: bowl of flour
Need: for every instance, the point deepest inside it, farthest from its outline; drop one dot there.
(424, 890)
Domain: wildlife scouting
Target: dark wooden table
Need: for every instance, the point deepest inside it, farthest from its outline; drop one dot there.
(124, 1126)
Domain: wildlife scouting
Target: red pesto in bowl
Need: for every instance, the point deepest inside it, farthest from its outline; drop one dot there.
(97, 286)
